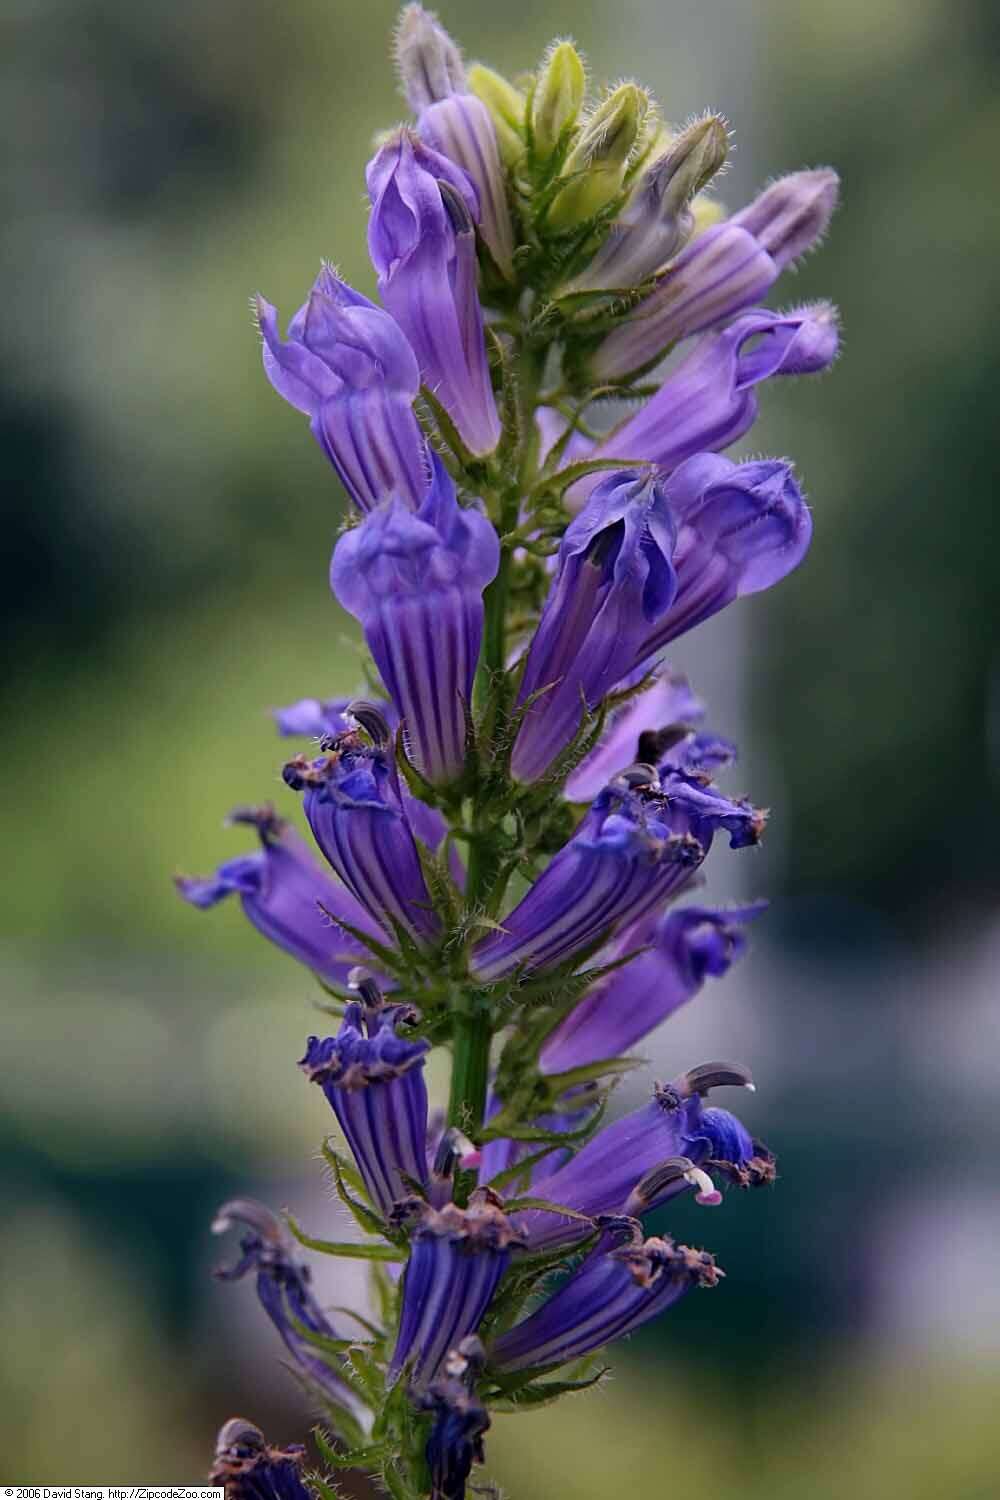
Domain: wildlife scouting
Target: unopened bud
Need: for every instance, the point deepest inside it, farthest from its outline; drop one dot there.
(656, 219)
(792, 214)
(430, 64)
(506, 105)
(689, 163)
(595, 168)
(559, 93)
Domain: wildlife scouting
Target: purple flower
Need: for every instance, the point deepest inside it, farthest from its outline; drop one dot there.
(460, 1420)
(709, 400)
(348, 366)
(665, 707)
(422, 240)
(250, 1469)
(373, 1080)
(624, 1282)
(454, 122)
(614, 583)
(457, 1257)
(647, 1157)
(740, 529)
(416, 584)
(623, 859)
(283, 1286)
(724, 271)
(288, 898)
(688, 946)
(638, 845)
(353, 805)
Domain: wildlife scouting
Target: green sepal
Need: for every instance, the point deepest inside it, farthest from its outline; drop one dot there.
(543, 1205)
(366, 1217)
(361, 1457)
(532, 1394)
(346, 1248)
(388, 959)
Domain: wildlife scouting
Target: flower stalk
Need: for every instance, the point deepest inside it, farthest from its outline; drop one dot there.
(504, 821)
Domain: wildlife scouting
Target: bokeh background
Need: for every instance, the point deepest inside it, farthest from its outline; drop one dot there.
(166, 530)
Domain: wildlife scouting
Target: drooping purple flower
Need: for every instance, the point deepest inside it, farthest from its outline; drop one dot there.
(721, 273)
(454, 122)
(614, 583)
(624, 1281)
(247, 1467)
(346, 364)
(460, 1420)
(415, 582)
(740, 529)
(688, 947)
(373, 1079)
(667, 705)
(457, 1257)
(645, 1158)
(289, 898)
(638, 845)
(422, 241)
(710, 400)
(353, 805)
(284, 1288)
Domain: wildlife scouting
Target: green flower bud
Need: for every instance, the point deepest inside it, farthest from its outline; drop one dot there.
(506, 105)
(705, 213)
(559, 93)
(595, 168)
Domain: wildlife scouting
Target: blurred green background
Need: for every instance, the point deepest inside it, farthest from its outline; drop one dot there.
(168, 522)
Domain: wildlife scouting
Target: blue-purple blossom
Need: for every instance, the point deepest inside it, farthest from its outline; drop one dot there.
(454, 122)
(348, 366)
(457, 1256)
(721, 273)
(284, 1288)
(614, 583)
(621, 1168)
(415, 582)
(638, 845)
(373, 1079)
(460, 1420)
(353, 804)
(741, 528)
(667, 705)
(710, 399)
(624, 1281)
(422, 241)
(688, 946)
(289, 898)
(624, 859)
(646, 559)
(248, 1468)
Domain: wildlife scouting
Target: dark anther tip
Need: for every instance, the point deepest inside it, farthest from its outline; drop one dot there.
(716, 1075)
(455, 207)
(371, 721)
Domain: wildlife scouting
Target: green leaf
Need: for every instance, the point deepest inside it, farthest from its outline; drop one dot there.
(533, 1394)
(364, 1457)
(347, 1248)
